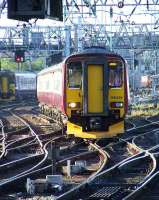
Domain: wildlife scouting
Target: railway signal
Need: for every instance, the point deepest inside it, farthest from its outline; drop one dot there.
(19, 56)
(40, 9)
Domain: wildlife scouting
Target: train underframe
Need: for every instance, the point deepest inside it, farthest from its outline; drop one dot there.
(95, 127)
(92, 127)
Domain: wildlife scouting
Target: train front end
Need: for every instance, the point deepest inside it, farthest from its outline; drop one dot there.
(7, 85)
(96, 94)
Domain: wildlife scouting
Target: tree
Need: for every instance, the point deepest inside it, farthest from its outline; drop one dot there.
(9, 64)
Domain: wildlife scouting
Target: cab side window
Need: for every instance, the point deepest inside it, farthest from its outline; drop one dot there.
(74, 74)
(116, 77)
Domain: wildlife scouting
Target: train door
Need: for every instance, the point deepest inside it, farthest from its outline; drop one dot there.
(95, 88)
(4, 87)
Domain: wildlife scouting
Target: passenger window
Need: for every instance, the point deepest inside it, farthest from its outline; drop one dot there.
(74, 72)
(116, 77)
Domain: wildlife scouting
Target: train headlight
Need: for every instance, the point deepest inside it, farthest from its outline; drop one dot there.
(117, 104)
(74, 105)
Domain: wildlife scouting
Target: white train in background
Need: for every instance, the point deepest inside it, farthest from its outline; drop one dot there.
(26, 85)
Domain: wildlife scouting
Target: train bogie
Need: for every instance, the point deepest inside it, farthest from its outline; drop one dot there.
(50, 88)
(93, 93)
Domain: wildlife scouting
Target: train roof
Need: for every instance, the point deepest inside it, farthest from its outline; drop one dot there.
(55, 66)
(6, 72)
(25, 74)
(95, 50)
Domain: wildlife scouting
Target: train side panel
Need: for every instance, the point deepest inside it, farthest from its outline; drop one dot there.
(25, 85)
(50, 89)
(127, 89)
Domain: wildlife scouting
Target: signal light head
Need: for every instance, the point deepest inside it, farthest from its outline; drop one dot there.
(19, 56)
(18, 59)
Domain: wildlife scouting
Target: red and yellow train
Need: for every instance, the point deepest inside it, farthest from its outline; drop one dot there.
(90, 89)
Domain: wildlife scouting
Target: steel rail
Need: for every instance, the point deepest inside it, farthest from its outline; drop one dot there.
(143, 126)
(3, 140)
(69, 193)
(135, 158)
(143, 185)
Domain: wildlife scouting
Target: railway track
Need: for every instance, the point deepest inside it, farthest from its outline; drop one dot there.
(148, 191)
(17, 168)
(121, 168)
(118, 181)
(44, 170)
(19, 165)
(3, 137)
(137, 121)
(128, 168)
(138, 130)
(147, 141)
(149, 188)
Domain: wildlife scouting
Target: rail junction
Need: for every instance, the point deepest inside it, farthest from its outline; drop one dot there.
(121, 169)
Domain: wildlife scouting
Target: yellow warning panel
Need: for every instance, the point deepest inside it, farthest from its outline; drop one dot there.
(95, 88)
(4, 85)
(114, 130)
